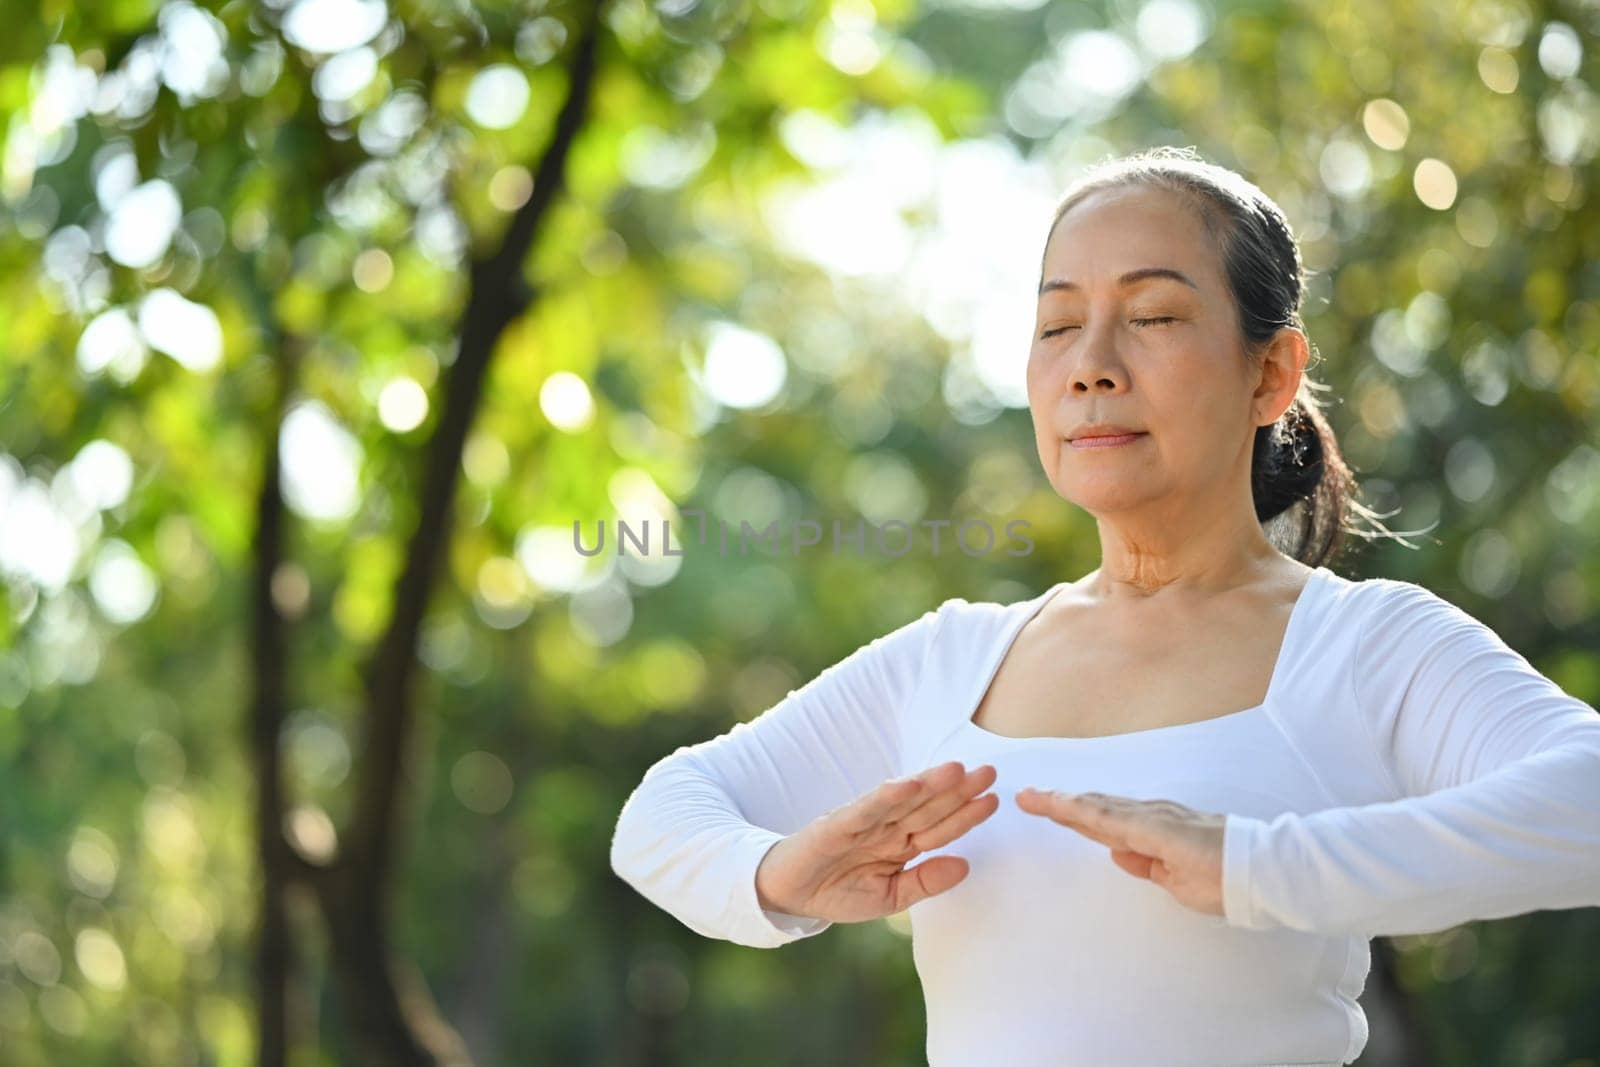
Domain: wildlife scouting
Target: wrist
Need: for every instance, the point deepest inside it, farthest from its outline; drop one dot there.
(764, 895)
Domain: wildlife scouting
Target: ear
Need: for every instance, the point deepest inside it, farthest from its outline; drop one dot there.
(1283, 365)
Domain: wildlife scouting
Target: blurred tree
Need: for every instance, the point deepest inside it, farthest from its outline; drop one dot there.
(330, 152)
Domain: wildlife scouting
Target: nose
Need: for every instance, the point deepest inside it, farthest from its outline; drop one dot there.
(1098, 371)
(1103, 383)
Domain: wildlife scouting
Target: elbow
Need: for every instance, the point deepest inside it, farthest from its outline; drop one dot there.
(641, 839)
(618, 854)
(630, 831)
(624, 834)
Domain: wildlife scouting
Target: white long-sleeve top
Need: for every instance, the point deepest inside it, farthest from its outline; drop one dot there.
(1408, 771)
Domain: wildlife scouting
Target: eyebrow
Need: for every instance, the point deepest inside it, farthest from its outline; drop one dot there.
(1142, 274)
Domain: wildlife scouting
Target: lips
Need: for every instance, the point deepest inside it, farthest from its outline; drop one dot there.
(1103, 440)
(1102, 429)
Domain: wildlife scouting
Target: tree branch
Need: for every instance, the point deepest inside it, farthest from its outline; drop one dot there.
(269, 650)
(497, 296)
(396, 1019)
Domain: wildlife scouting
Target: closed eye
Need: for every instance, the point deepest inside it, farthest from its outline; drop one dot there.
(1136, 322)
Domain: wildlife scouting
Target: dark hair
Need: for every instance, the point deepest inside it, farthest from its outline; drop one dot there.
(1295, 460)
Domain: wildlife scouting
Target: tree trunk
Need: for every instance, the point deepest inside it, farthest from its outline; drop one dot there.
(386, 1003)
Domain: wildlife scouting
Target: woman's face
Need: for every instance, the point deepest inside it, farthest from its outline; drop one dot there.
(1157, 354)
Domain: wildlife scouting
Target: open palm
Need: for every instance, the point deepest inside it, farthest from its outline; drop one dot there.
(849, 865)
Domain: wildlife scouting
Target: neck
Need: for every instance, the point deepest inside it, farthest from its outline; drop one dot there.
(1144, 555)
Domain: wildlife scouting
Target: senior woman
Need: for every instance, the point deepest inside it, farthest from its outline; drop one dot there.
(1287, 762)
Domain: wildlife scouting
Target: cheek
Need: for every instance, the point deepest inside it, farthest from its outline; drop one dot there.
(1037, 372)
(1194, 411)
(1034, 379)
(1045, 402)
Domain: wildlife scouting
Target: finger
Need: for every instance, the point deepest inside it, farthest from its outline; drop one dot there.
(1094, 809)
(956, 823)
(938, 805)
(932, 783)
(926, 879)
(894, 798)
(1112, 803)
(1079, 808)
(873, 809)
(1104, 822)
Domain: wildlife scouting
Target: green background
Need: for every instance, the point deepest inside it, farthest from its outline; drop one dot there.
(177, 631)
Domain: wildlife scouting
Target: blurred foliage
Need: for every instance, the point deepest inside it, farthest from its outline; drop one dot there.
(193, 190)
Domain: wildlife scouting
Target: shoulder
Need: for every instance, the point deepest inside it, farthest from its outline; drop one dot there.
(1371, 604)
(974, 625)
(956, 623)
(959, 610)
(1369, 625)
(1403, 628)
(962, 610)
(1392, 604)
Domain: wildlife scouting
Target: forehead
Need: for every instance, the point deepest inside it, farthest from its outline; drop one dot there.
(1112, 231)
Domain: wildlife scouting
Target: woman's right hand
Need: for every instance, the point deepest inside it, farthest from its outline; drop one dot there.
(849, 865)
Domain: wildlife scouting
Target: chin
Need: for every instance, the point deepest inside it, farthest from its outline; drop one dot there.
(1102, 494)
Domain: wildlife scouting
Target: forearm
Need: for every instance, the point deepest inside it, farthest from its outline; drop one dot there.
(681, 845)
(1523, 838)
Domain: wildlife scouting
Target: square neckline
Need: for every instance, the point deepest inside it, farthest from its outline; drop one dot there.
(1274, 681)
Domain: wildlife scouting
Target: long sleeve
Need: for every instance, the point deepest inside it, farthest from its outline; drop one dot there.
(692, 833)
(1496, 777)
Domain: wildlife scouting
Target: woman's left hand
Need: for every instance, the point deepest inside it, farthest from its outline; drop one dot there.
(1177, 848)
